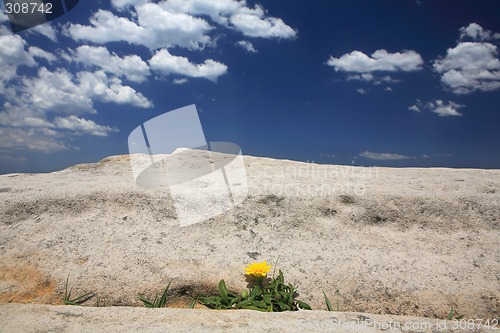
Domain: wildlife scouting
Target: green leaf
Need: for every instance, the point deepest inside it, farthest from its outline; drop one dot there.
(328, 304)
(223, 291)
(243, 304)
(281, 278)
(255, 308)
(163, 300)
(209, 300)
(255, 292)
(259, 304)
(303, 305)
(193, 302)
(146, 302)
(450, 315)
(77, 300)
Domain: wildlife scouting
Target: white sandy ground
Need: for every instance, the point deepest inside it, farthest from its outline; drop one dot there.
(409, 241)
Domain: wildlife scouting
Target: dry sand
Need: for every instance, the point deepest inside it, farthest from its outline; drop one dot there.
(409, 241)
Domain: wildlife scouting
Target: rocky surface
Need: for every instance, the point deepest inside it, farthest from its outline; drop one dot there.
(43, 318)
(377, 240)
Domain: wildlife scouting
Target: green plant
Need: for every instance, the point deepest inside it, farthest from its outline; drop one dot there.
(454, 315)
(193, 302)
(79, 300)
(329, 305)
(270, 295)
(158, 302)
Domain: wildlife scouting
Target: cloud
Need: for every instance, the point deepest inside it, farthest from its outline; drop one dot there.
(155, 28)
(47, 104)
(383, 156)
(174, 23)
(3, 17)
(34, 101)
(37, 52)
(13, 158)
(380, 60)
(167, 64)
(255, 25)
(97, 85)
(55, 91)
(132, 67)
(80, 125)
(439, 107)
(13, 55)
(46, 30)
(475, 32)
(180, 81)
(121, 4)
(246, 45)
(218, 11)
(445, 110)
(362, 77)
(469, 67)
(362, 91)
(414, 108)
(375, 80)
(251, 22)
(34, 139)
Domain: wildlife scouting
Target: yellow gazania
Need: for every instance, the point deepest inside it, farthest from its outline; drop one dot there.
(258, 269)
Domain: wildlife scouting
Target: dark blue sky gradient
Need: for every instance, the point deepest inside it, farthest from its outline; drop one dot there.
(285, 102)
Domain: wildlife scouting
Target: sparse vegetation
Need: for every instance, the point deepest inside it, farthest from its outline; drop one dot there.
(454, 315)
(329, 304)
(264, 294)
(80, 299)
(158, 301)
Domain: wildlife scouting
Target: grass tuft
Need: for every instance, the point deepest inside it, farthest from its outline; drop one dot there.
(80, 299)
(158, 302)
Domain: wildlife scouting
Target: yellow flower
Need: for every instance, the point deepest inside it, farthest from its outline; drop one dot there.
(258, 269)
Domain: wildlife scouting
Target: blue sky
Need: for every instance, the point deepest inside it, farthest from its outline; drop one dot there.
(386, 83)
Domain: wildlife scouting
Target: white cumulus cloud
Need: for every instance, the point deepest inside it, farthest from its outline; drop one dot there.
(37, 52)
(180, 81)
(246, 45)
(475, 32)
(439, 107)
(218, 11)
(254, 25)
(39, 106)
(167, 64)
(380, 60)
(121, 4)
(156, 28)
(46, 30)
(13, 55)
(97, 85)
(177, 23)
(470, 66)
(80, 125)
(131, 67)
